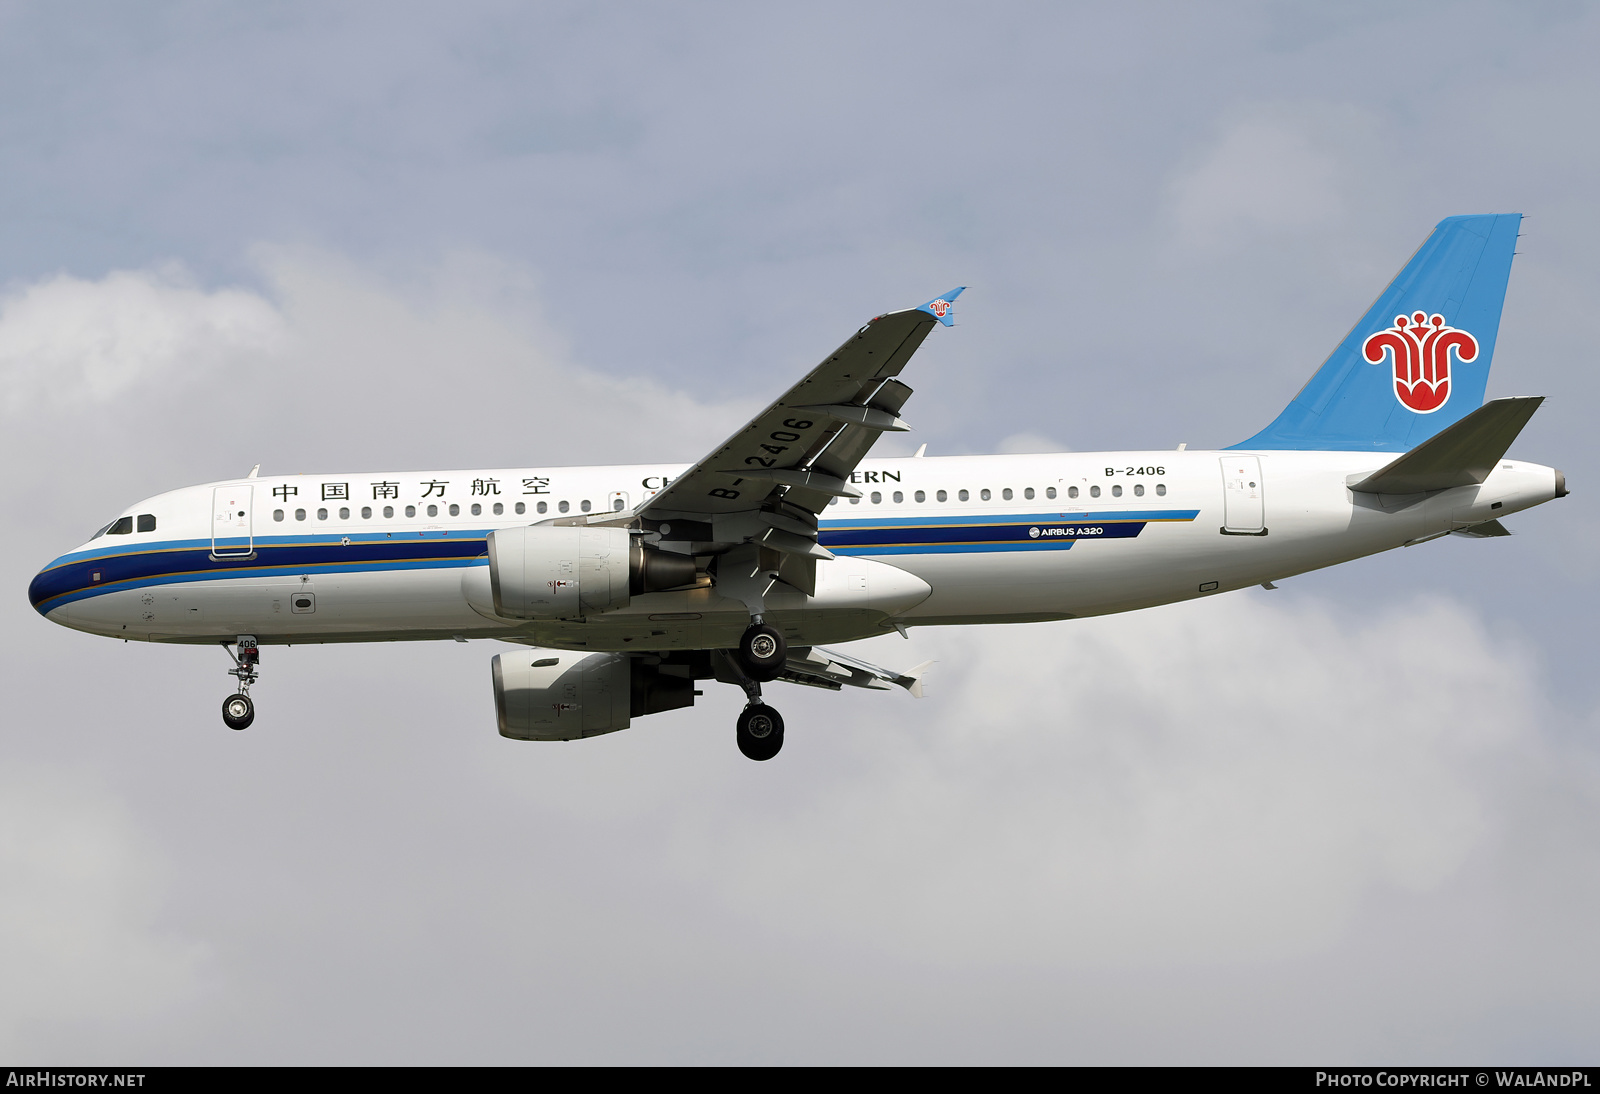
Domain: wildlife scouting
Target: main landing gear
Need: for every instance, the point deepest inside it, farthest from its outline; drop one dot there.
(760, 732)
(761, 655)
(763, 650)
(237, 710)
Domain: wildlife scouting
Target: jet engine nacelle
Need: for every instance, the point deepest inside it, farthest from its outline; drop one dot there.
(559, 695)
(546, 572)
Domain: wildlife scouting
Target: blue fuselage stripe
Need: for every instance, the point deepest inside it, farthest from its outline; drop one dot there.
(86, 575)
(117, 567)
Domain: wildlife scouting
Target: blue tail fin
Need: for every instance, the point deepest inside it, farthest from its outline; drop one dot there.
(1419, 359)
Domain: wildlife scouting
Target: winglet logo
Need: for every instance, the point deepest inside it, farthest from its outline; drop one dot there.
(940, 308)
(1421, 349)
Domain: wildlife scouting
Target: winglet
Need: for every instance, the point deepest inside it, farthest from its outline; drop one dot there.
(943, 307)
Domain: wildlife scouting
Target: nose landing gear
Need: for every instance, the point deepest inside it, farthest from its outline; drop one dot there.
(237, 710)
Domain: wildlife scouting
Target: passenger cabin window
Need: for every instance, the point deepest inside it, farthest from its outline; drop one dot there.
(1050, 492)
(477, 509)
(584, 505)
(344, 514)
(898, 498)
(366, 512)
(1006, 493)
(147, 522)
(876, 497)
(1094, 491)
(942, 496)
(561, 506)
(277, 514)
(299, 514)
(984, 494)
(455, 510)
(498, 509)
(1028, 493)
(1072, 491)
(433, 510)
(1116, 491)
(521, 508)
(411, 510)
(1138, 490)
(322, 514)
(1161, 489)
(122, 526)
(963, 495)
(544, 507)
(920, 496)
(616, 505)
(388, 512)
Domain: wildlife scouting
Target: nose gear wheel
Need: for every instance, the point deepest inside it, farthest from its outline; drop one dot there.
(238, 710)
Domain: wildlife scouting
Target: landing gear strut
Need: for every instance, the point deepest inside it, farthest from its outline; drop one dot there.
(237, 710)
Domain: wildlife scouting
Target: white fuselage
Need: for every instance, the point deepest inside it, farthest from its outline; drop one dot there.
(937, 540)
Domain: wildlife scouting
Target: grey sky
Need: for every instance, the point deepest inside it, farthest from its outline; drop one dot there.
(1351, 820)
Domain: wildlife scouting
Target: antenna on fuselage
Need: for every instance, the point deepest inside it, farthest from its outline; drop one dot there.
(254, 471)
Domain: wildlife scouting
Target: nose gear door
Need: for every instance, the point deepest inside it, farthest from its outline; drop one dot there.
(231, 535)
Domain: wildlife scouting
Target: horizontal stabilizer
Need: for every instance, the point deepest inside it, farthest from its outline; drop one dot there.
(1460, 455)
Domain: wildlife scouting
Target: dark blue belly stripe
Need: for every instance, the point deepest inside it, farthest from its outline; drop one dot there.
(77, 578)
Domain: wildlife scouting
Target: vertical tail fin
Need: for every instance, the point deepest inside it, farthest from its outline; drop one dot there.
(1418, 361)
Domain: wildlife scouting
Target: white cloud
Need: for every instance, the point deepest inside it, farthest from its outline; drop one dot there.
(68, 341)
(1270, 173)
(1023, 443)
(332, 361)
(81, 895)
(1219, 781)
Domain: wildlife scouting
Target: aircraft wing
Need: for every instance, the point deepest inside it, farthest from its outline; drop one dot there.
(767, 483)
(820, 668)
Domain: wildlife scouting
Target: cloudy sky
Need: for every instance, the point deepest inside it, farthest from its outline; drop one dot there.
(1351, 820)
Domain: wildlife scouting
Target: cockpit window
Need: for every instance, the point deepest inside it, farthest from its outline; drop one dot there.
(120, 527)
(147, 522)
(101, 532)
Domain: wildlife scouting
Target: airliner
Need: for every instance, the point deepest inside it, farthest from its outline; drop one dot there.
(622, 588)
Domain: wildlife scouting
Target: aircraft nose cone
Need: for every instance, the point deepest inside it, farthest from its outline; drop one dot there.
(47, 585)
(38, 590)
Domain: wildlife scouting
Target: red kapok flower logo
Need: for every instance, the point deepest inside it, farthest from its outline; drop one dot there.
(1421, 349)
